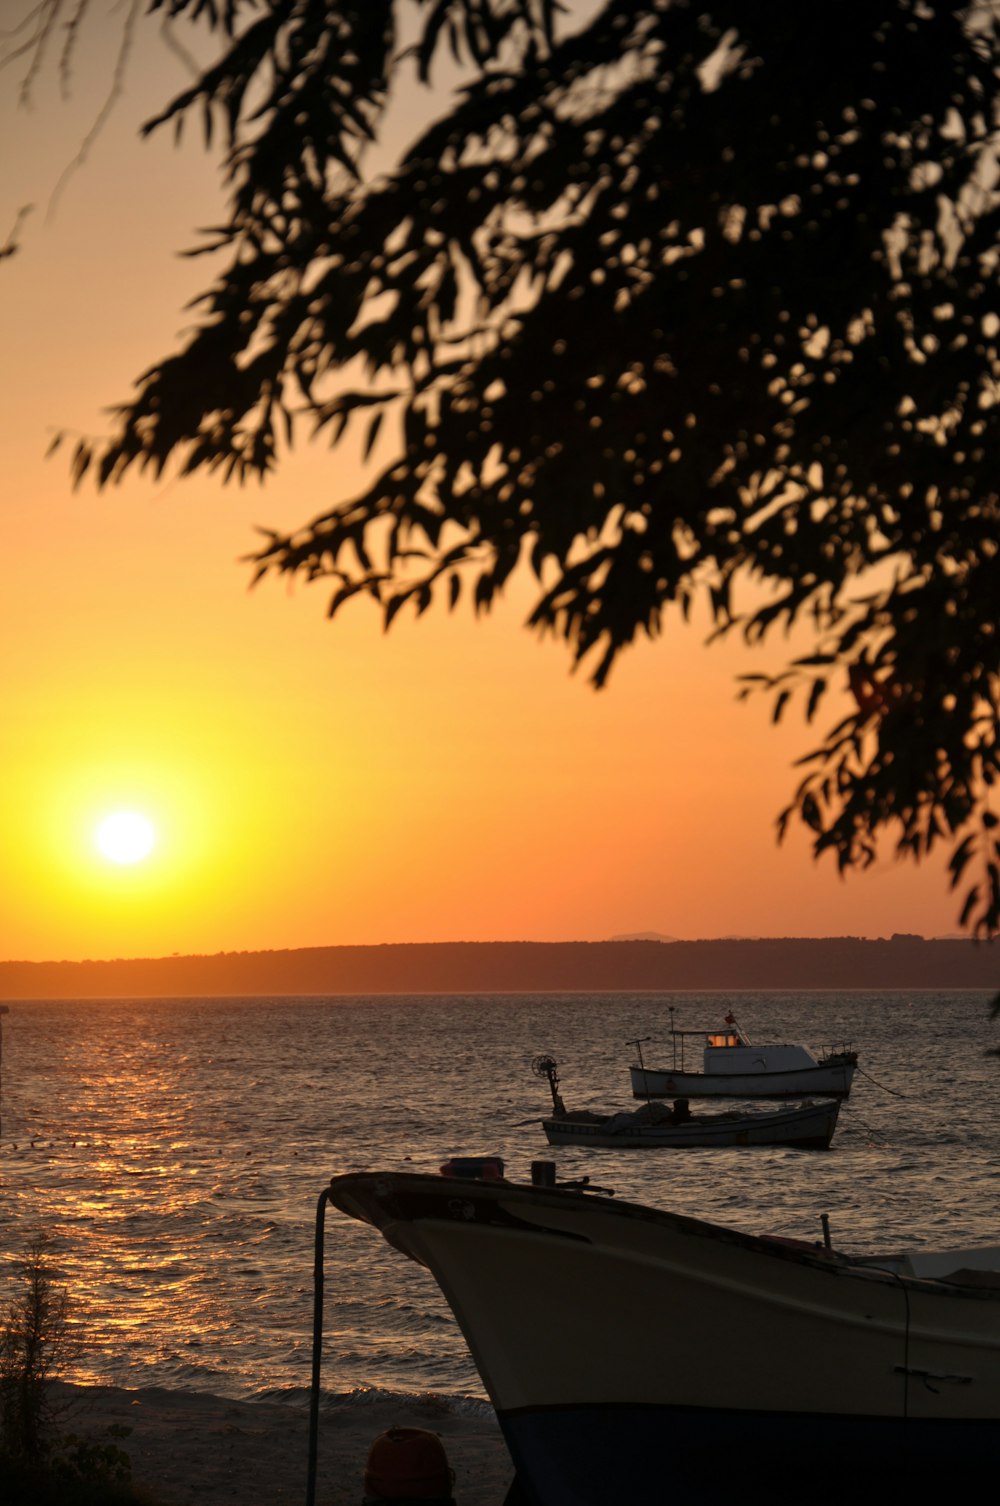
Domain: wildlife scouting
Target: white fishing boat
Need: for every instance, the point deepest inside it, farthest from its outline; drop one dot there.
(808, 1126)
(636, 1355)
(732, 1066)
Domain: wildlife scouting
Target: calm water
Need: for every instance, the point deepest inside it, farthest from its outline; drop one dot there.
(174, 1150)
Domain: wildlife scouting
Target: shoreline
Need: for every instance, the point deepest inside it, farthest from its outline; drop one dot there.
(190, 1448)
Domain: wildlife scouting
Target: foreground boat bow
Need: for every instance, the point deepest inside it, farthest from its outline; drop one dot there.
(633, 1354)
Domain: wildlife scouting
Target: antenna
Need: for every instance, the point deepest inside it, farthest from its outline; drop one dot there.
(3, 1010)
(638, 1044)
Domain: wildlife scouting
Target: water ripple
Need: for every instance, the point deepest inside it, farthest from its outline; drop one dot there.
(173, 1150)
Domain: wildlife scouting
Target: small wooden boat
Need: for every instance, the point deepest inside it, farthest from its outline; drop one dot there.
(734, 1067)
(808, 1126)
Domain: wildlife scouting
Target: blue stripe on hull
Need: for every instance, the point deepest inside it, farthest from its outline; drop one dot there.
(645, 1456)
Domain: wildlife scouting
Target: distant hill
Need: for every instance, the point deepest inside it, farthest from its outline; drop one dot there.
(844, 962)
(644, 936)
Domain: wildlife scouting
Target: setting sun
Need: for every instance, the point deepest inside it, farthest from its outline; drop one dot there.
(125, 837)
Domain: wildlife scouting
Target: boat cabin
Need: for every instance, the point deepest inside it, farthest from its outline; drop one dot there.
(729, 1050)
(738, 1056)
(979, 1266)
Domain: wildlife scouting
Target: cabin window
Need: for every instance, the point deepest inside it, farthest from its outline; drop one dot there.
(727, 1038)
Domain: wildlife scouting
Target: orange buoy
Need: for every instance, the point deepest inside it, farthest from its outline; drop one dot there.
(408, 1464)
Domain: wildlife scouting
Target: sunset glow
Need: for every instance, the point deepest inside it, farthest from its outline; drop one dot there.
(309, 783)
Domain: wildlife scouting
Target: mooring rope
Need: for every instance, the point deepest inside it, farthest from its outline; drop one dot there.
(883, 1085)
(875, 1137)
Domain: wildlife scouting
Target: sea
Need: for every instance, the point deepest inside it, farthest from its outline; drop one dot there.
(170, 1153)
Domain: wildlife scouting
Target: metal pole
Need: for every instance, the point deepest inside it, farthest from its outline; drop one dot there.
(317, 1350)
(638, 1046)
(3, 1010)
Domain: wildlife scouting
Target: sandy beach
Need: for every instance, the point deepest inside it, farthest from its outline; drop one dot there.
(193, 1449)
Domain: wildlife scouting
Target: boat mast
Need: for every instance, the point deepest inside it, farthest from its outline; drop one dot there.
(676, 1035)
(545, 1066)
(638, 1044)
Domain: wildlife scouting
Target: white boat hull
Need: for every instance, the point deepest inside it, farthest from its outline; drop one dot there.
(638, 1355)
(810, 1127)
(832, 1081)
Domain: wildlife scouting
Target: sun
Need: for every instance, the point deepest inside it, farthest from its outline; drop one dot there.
(125, 837)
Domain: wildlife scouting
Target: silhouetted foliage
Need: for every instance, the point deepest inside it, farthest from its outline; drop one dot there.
(35, 1342)
(38, 1465)
(671, 297)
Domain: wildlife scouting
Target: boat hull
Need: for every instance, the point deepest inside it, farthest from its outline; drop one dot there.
(596, 1456)
(809, 1128)
(821, 1081)
(624, 1348)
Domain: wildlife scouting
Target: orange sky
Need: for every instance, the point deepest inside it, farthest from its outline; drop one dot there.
(314, 783)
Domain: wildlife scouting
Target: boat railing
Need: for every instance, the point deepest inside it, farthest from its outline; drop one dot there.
(726, 1038)
(677, 1043)
(837, 1048)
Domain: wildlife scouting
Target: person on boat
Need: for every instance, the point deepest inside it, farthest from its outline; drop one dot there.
(681, 1112)
(408, 1464)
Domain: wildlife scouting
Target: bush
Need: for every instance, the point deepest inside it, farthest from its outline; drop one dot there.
(40, 1468)
(35, 1343)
